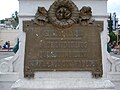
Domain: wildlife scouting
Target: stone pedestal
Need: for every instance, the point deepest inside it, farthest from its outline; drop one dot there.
(63, 81)
(63, 84)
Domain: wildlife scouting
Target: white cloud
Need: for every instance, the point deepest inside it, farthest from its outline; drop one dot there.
(7, 7)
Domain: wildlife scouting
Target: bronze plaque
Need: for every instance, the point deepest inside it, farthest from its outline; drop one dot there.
(63, 39)
(51, 49)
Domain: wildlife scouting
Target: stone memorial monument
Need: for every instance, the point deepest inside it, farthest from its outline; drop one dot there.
(63, 49)
(62, 39)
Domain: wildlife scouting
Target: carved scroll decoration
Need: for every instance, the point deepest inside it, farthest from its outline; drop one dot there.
(41, 16)
(85, 15)
(63, 14)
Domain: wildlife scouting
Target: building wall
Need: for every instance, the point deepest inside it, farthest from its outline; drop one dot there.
(8, 35)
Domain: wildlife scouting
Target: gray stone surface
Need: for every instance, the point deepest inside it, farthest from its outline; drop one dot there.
(63, 84)
(117, 85)
(115, 55)
(6, 54)
(6, 85)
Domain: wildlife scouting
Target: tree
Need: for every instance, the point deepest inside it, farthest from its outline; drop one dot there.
(2, 21)
(110, 24)
(15, 20)
(16, 17)
(16, 47)
(113, 36)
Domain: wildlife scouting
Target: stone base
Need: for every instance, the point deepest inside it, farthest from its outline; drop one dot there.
(63, 84)
(114, 76)
(7, 79)
(9, 76)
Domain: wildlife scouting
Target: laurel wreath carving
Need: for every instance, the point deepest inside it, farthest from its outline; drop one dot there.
(63, 13)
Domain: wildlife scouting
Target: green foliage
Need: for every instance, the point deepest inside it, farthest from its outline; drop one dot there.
(16, 47)
(16, 17)
(15, 22)
(110, 24)
(2, 21)
(113, 36)
(108, 48)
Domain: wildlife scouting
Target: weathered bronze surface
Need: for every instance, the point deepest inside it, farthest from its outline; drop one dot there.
(52, 48)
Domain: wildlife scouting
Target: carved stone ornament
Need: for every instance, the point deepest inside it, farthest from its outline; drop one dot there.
(41, 16)
(85, 15)
(63, 13)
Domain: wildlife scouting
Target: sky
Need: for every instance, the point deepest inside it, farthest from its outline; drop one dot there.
(8, 7)
(114, 6)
